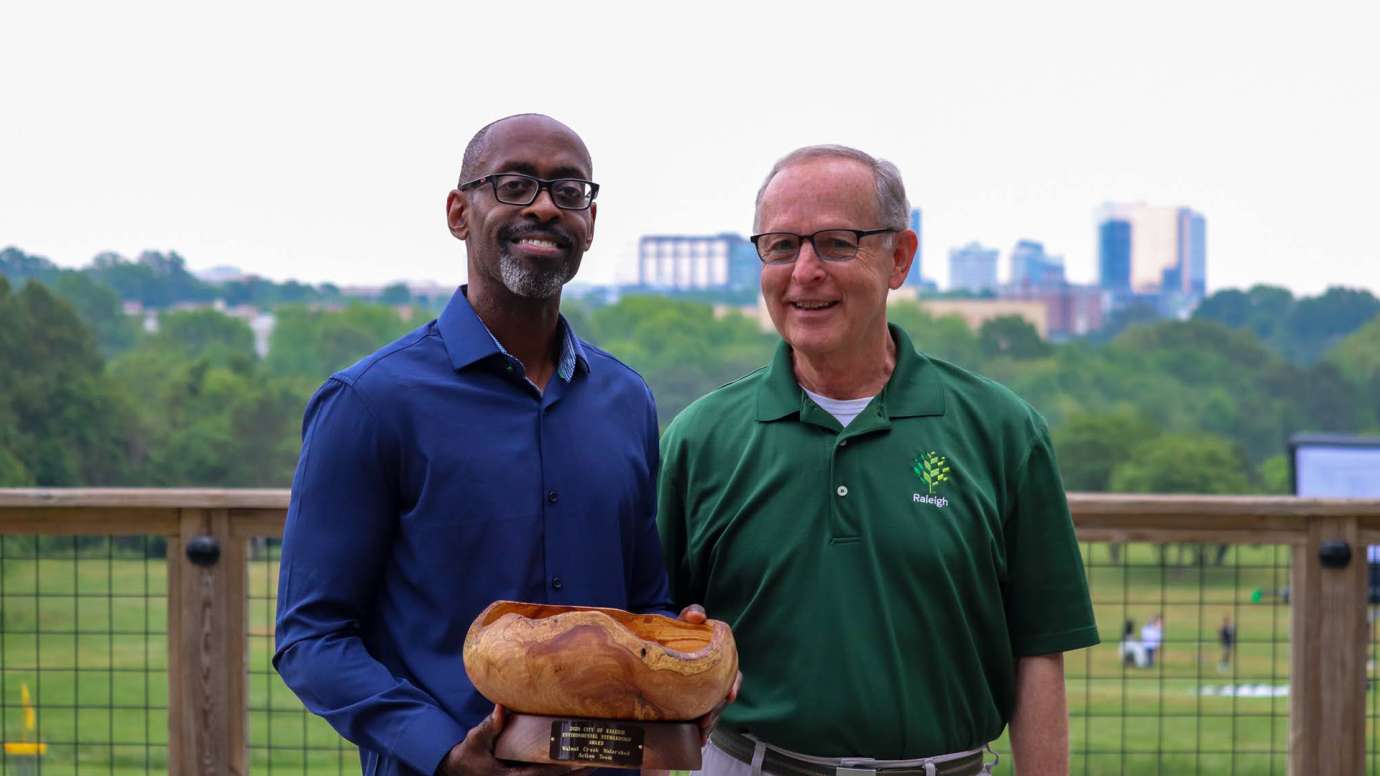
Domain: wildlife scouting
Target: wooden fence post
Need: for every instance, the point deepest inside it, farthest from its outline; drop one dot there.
(207, 704)
(1327, 692)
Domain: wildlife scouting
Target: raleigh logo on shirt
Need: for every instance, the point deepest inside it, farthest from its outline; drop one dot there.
(933, 470)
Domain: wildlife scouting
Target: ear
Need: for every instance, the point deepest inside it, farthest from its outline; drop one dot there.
(902, 254)
(593, 211)
(457, 208)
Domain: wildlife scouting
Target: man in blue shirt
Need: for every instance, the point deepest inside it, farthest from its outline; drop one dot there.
(490, 454)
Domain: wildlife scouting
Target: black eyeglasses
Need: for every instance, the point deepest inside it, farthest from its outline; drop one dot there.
(829, 244)
(514, 188)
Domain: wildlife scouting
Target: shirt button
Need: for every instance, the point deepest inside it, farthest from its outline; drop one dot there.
(843, 443)
(556, 583)
(843, 490)
(553, 496)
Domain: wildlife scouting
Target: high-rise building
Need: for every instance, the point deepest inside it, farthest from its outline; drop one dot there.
(1193, 251)
(1161, 250)
(1114, 255)
(688, 262)
(973, 268)
(1031, 267)
(916, 277)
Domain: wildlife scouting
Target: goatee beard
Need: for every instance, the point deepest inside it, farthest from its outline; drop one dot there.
(533, 282)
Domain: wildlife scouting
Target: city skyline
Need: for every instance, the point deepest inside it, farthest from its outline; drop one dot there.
(1152, 249)
(709, 259)
(327, 154)
(973, 267)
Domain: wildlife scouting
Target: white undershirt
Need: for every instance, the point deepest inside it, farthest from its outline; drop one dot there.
(843, 409)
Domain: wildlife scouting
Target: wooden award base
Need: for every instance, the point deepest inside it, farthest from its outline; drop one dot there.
(601, 743)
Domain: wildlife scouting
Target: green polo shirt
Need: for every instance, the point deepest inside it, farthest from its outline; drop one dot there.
(882, 579)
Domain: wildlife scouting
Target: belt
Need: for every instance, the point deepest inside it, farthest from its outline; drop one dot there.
(783, 762)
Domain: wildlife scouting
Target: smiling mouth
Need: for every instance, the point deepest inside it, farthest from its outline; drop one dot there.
(812, 305)
(538, 242)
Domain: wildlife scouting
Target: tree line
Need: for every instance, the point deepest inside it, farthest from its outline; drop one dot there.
(87, 397)
(156, 280)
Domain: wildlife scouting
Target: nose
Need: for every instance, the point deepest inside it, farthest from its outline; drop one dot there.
(808, 266)
(543, 208)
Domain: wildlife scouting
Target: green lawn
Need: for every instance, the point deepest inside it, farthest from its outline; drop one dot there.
(88, 638)
(1159, 720)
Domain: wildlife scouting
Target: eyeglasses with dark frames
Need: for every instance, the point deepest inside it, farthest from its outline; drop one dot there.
(514, 188)
(829, 244)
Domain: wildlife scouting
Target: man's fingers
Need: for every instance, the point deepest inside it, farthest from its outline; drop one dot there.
(711, 718)
(483, 734)
(694, 613)
(706, 725)
(485, 730)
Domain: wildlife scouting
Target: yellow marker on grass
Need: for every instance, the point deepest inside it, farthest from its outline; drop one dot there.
(26, 747)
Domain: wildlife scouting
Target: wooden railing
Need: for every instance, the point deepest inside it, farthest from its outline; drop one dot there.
(208, 533)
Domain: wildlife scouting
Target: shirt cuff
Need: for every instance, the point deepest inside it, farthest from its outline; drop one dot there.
(1045, 644)
(427, 739)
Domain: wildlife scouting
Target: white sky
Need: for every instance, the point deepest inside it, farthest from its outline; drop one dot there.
(317, 141)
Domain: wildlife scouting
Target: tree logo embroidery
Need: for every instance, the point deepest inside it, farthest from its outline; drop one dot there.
(932, 469)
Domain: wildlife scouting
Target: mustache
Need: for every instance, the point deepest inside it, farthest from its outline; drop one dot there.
(553, 232)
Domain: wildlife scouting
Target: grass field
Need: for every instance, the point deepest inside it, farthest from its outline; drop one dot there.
(88, 636)
(86, 633)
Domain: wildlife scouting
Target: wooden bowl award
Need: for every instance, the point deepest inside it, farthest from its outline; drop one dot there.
(599, 687)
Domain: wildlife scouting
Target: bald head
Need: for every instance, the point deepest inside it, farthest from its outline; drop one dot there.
(471, 164)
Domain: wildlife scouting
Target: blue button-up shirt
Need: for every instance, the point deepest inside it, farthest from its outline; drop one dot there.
(435, 479)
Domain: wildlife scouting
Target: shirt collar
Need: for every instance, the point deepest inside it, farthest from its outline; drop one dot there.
(913, 390)
(469, 341)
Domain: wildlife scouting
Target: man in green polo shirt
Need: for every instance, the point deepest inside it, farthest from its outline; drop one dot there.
(886, 533)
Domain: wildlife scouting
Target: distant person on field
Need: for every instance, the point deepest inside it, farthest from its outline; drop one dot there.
(1226, 637)
(1151, 637)
(1132, 650)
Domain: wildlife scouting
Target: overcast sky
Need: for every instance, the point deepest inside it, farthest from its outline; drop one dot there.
(317, 141)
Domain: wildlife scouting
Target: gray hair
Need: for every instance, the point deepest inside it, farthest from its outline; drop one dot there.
(891, 192)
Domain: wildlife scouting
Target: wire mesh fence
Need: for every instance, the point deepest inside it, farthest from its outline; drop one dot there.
(83, 655)
(84, 663)
(1192, 675)
(1372, 650)
(284, 738)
